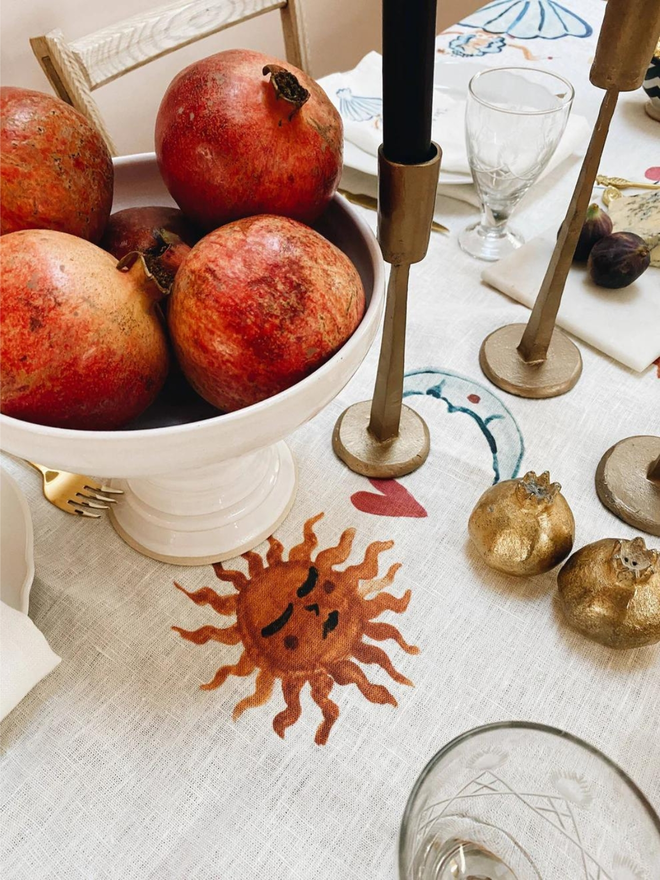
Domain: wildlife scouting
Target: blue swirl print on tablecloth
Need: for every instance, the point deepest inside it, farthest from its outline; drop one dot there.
(463, 395)
(529, 20)
(474, 45)
(358, 108)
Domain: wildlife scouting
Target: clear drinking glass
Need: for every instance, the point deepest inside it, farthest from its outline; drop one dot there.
(519, 801)
(514, 119)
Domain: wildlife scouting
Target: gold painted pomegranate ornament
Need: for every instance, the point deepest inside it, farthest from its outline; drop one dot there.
(610, 592)
(523, 527)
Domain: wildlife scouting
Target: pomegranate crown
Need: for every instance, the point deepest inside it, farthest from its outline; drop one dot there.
(537, 490)
(286, 86)
(632, 559)
(137, 265)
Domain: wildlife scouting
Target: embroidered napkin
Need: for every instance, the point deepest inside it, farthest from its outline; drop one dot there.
(625, 324)
(357, 94)
(25, 657)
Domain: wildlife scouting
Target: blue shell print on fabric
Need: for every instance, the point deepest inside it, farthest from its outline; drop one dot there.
(357, 108)
(529, 20)
(462, 395)
(474, 45)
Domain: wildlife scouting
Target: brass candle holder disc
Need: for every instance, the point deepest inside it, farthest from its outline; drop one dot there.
(623, 484)
(503, 365)
(355, 444)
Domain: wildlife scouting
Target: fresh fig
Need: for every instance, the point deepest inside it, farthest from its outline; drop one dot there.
(597, 225)
(618, 259)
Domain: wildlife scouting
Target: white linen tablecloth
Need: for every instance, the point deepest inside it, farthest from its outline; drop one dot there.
(118, 766)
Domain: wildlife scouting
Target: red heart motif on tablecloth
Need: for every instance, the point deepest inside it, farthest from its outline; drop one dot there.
(653, 173)
(394, 500)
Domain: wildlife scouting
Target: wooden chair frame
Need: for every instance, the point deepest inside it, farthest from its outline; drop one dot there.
(75, 69)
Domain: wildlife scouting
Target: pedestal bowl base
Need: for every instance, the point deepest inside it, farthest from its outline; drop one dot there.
(207, 514)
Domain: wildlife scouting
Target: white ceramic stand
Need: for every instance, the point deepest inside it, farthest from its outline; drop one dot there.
(208, 514)
(200, 486)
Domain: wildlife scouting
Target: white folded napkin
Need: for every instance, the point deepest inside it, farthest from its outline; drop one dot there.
(357, 94)
(25, 657)
(624, 324)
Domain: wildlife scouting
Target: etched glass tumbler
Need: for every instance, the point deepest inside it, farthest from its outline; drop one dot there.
(514, 120)
(519, 801)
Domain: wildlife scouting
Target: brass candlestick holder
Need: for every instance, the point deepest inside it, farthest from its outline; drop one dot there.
(381, 437)
(539, 360)
(628, 482)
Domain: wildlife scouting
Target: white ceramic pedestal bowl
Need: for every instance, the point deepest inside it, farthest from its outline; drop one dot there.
(201, 487)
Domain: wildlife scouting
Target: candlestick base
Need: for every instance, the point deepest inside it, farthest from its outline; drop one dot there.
(623, 484)
(502, 364)
(358, 448)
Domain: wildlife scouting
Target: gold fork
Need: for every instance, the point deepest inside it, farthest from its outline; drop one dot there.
(371, 202)
(73, 493)
(622, 183)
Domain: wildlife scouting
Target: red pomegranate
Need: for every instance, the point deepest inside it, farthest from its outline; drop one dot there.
(56, 169)
(82, 345)
(162, 235)
(258, 305)
(240, 133)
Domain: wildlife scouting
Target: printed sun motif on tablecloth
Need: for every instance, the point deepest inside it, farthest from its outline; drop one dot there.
(301, 622)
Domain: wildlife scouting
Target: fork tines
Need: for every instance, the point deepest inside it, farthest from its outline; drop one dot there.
(86, 501)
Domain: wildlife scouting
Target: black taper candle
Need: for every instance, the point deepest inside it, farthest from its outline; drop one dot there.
(408, 57)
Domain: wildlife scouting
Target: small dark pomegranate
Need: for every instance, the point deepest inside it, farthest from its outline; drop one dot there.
(258, 305)
(56, 170)
(162, 235)
(83, 344)
(240, 133)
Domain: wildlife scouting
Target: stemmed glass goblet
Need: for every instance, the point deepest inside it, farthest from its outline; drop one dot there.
(523, 801)
(514, 119)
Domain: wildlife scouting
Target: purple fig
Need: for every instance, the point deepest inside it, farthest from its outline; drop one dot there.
(618, 259)
(597, 225)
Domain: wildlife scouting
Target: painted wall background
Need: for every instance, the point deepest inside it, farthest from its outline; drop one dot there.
(340, 32)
